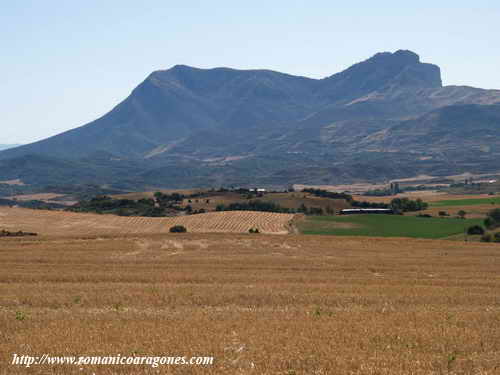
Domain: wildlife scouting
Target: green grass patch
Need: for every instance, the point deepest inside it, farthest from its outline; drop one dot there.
(465, 202)
(385, 226)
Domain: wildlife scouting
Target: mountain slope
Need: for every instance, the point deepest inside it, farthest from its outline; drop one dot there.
(181, 102)
(185, 126)
(7, 146)
(475, 128)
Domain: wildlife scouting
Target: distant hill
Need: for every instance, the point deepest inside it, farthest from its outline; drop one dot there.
(386, 117)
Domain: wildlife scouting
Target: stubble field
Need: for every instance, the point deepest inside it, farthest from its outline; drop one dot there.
(259, 304)
(70, 223)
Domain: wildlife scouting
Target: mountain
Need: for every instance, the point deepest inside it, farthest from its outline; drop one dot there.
(386, 117)
(5, 147)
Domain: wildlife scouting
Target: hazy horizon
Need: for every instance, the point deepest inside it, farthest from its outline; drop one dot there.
(66, 64)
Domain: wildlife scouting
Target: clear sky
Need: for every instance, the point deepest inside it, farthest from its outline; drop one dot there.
(65, 63)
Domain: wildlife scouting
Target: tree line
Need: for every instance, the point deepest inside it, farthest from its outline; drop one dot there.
(398, 205)
(160, 205)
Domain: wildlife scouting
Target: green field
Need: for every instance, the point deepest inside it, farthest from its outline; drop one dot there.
(466, 202)
(385, 226)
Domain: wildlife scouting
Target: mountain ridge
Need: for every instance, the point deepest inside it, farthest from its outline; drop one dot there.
(188, 116)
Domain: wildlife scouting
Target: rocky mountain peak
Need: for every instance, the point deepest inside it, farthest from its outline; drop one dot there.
(385, 70)
(400, 57)
(407, 55)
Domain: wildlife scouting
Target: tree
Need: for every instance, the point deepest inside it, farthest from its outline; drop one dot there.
(315, 211)
(475, 229)
(492, 220)
(406, 205)
(461, 214)
(146, 202)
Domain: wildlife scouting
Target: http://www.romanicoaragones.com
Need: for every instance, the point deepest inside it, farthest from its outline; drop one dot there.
(153, 361)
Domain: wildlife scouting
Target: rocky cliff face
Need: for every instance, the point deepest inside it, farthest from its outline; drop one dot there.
(379, 73)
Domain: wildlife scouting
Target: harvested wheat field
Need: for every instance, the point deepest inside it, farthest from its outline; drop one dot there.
(234, 222)
(258, 304)
(86, 224)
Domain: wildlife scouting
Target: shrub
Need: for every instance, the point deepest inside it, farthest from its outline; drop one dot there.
(424, 215)
(497, 237)
(20, 316)
(475, 229)
(178, 229)
(486, 237)
(253, 230)
(461, 214)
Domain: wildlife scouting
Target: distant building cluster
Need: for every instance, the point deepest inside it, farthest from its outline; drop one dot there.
(258, 190)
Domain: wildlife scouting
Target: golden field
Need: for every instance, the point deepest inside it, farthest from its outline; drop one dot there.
(70, 223)
(259, 304)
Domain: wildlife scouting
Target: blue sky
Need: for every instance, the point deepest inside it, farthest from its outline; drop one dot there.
(66, 63)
